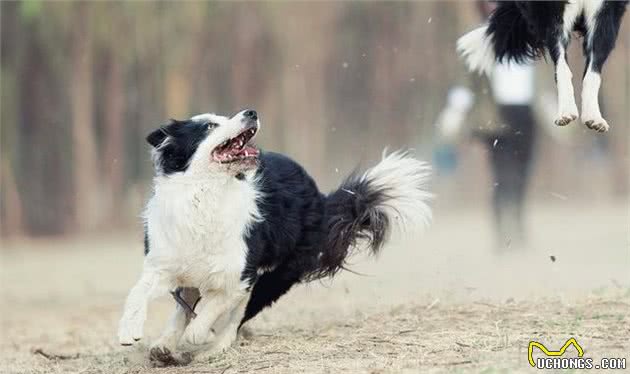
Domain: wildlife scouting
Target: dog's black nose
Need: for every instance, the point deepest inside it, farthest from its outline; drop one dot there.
(251, 114)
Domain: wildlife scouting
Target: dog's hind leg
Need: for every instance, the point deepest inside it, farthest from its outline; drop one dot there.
(599, 41)
(152, 283)
(557, 35)
(162, 352)
(567, 109)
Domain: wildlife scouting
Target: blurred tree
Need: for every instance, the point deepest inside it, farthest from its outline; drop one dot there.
(335, 82)
(87, 179)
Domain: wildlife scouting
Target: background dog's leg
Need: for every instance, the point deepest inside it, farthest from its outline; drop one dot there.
(162, 352)
(567, 109)
(135, 312)
(211, 306)
(591, 114)
(598, 43)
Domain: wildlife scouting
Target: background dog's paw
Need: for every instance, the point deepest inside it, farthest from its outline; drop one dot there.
(597, 124)
(565, 119)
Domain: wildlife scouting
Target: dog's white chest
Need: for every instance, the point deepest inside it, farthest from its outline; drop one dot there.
(196, 232)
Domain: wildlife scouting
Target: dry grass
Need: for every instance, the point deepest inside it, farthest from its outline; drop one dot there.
(472, 337)
(453, 310)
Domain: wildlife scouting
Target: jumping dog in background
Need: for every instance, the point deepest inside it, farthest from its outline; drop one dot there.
(518, 31)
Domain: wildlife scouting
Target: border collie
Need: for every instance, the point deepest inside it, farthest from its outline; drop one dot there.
(233, 228)
(520, 31)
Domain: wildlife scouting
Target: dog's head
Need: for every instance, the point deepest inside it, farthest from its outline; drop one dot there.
(206, 143)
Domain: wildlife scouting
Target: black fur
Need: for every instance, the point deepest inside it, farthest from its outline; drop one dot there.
(515, 33)
(606, 30)
(146, 240)
(305, 235)
(178, 141)
(523, 30)
(350, 217)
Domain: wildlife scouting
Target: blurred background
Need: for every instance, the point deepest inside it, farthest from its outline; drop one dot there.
(335, 83)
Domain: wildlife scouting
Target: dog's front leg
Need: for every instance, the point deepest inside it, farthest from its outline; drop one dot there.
(210, 308)
(227, 334)
(162, 352)
(152, 283)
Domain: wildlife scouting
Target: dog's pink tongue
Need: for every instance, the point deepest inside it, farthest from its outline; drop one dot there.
(249, 150)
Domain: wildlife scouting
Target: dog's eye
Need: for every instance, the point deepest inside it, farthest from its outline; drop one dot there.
(212, 125)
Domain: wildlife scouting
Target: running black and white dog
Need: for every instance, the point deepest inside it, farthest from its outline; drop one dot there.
(239, 227)
(519, 31)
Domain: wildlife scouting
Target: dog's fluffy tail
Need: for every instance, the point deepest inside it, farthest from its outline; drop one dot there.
(366, 208)
(507, 37)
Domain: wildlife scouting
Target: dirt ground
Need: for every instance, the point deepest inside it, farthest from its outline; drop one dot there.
(442, 301)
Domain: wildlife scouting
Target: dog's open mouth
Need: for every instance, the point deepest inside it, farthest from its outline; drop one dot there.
(238, 148)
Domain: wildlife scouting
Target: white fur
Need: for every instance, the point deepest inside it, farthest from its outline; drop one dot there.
(404, 180)
(196, 221)
(227, 333)
(572, 10)
(173, 330)
(567, 109)
(135, 310)
(590, 89)
(477, 49)
(176, 325)
(224, 325)
(212, 306)
(591, 114)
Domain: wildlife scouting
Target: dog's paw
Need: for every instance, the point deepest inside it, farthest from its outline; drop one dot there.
(127, 339)
(129, 332)
(162, 356)
(597, 124)
(565, 118)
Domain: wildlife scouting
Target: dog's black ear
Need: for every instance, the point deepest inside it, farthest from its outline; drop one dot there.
(156, 137)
